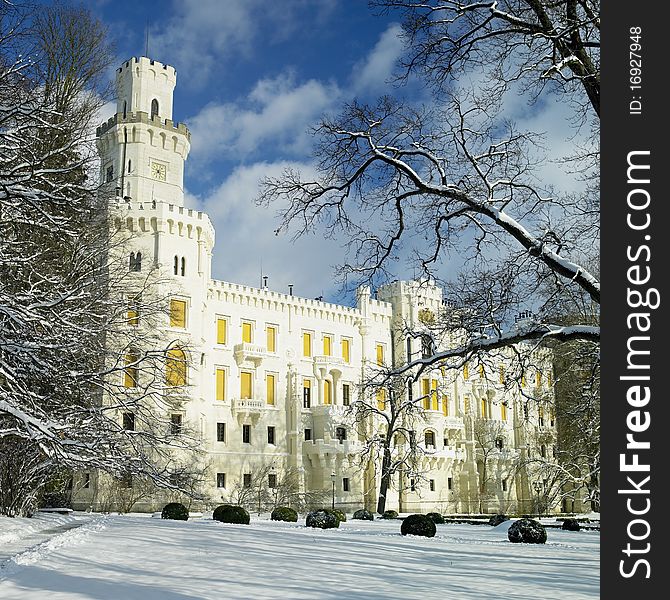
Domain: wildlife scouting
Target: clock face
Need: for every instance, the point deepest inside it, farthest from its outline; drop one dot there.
(158, 171)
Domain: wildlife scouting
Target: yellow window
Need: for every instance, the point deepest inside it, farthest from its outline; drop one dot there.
(466, 371)
(175, 367)
(466, 404)
(327, 346)
(130, 373)
(307, 344)
(220, 384)
(245, 384)
(445, 405)
(133, 316)
(178, 313)
(246, 333)
(270, 389)
(271, 334)
(381, 399)
(221, 331)
(425, 392)
(501, 374)
(482, 373)
(503, 412)
(538, 378)
(327, 392)
(433, 395)
(345, 350)
(484, 408)
(523, 379)
(380, 354)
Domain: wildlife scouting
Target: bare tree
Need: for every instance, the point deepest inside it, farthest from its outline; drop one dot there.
(489, 437)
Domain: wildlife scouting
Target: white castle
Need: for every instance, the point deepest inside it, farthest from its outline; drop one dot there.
(271, 376)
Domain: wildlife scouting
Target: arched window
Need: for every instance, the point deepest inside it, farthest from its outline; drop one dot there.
(183, 266)
(176, 265)
(175, 367)
(135, 261)
(429, 438)
(154, 108)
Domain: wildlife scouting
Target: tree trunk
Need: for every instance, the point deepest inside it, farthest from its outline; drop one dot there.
(386, 479)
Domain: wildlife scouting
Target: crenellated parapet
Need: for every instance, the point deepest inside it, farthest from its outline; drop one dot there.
(142, 117)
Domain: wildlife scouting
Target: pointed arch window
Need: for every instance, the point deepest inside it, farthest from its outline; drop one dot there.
(135, 262)
(175, 367)
(154, 108)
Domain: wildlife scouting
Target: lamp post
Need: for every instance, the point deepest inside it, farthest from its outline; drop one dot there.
(538, 486)
(332, 479)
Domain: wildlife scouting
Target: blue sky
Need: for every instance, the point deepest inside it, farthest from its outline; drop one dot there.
(252, 77)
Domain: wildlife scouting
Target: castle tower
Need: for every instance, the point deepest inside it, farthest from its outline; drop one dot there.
(142, 150)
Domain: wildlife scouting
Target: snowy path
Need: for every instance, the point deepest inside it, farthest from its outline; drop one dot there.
(138, 558)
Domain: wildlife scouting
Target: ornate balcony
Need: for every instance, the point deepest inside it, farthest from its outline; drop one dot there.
(254, 353)
(248, 408)
(324, 365)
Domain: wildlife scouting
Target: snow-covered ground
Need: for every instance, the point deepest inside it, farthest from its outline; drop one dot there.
(135, 557)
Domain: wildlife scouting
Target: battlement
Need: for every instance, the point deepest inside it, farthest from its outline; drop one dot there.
(144, 63)
(143, 117)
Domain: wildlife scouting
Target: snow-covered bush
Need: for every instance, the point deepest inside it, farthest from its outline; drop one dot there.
(527, 531)
(571, 525)
(341, 517)
(496, 520)
(323, 519)
(390, 514)
(284, 513)
(418, 525)
(363, 515)
(436, 518)
(226, 513)
(56, 500)
(175, 511)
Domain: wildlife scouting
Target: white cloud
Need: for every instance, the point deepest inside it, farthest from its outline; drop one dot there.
(245, 237)
(276, 113)
(373, 73)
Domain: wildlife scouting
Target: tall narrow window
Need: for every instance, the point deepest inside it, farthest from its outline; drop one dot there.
(380, 354)
(346, 350)
(246, 434)
(346, 394)
(538, 378)
(175, 424)
(504, 485)
(307, 344)
(87, 481)
(271, 341)
(434, 403)
(175, 367)
(220, 432)
(154, 108)
(431, 485)
(503, 411)
(134, 310)
(425, 392)
(484, 414)
(540, 416)
(450, 483)
(109, 176)
(466, 371)
(178, 313)
(125, 108)
(245, 385)
(408, 349)
(246, 332)
(183, 266)
(466, 404)
(271, 436)
(341, 434)
(220, 384)
(221, 480)
(221, 326)
(327, 392)
(129, 421)
(412, 485)
(381, 399)
(445, 405)
(345, 484)
(429, 438)
(135, 261)
(501, 375)
(306, 393)
(131, 371)
(272, 480)
(246, 480)
(270, 389)
(176, 265)
(327, 345)
(308, 435)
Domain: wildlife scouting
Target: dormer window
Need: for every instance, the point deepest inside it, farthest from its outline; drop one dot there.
(154, 108)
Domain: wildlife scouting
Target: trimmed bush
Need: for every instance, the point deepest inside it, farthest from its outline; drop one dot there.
(571, 525)
(323, 519)
(175, 511)
(418, 525)
(284, 513)
(227, 513)
(496, 520)
(390, 514)
(527, 531)
(436, 518)
(363, 515)
(341, 517)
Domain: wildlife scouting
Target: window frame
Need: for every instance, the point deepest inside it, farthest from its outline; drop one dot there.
(173, 302)
(221, 432)
(246, 433)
